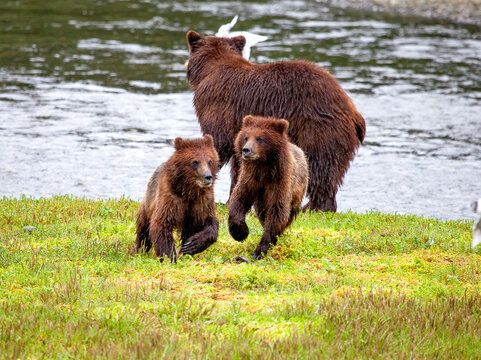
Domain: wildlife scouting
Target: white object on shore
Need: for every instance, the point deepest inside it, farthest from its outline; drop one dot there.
(251, 39)
(477, 227)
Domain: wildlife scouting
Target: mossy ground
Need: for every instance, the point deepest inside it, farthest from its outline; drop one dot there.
(339, 285)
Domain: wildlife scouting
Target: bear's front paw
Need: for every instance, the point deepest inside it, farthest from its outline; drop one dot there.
(258, 255)
(239, 231)
(260, 252)
(189, 248)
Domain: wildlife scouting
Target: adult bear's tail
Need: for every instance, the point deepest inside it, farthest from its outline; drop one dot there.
(360, 125)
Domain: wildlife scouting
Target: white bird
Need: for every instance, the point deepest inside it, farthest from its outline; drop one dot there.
(477, 228)
(251, 39)
(225, 29)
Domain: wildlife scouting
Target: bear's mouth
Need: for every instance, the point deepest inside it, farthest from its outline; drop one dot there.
(204, 184)
(250, 157)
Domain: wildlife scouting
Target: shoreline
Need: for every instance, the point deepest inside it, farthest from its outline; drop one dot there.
(465, 12)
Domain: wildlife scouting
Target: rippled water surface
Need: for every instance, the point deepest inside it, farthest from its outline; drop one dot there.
(93, 93)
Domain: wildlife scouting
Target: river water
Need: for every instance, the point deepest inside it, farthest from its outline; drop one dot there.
(93, 93)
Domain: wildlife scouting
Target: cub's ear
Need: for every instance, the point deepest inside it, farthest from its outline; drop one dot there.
(248, 120)
(239, 42)
(280, 126)
(208, 140)
(193, 39)
(179, 143)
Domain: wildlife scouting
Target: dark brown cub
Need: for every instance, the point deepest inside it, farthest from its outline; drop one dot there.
(180, 195)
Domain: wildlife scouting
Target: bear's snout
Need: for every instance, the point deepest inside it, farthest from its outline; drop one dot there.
(249, 153)
(208, 178)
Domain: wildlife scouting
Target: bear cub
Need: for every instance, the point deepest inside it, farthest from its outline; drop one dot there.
(180, 196)
(273, 177)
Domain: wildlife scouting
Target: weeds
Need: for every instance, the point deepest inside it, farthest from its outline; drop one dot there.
(336, 286)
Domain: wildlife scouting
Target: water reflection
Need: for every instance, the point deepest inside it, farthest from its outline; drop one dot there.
(92, 95)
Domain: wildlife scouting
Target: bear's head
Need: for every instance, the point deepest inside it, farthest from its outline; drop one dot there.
(195, 161)
(205, 50)
(261, 139)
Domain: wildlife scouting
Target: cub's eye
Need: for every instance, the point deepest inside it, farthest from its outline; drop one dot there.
(245, 139)
(210, 163)
(259, 140)
(195, 163)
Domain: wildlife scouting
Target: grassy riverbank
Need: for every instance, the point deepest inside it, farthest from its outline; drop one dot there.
(337, 285)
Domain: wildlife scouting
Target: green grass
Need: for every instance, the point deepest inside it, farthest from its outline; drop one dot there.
(339, 285)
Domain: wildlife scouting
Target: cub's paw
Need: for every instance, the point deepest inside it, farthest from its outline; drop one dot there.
(258, 255)
(239, 231)
(260, 252)
(192, 245)
(189, 247)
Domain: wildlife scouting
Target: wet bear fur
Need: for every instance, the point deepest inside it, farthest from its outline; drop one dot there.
(323, 120)
(273, 177)
(180, 196)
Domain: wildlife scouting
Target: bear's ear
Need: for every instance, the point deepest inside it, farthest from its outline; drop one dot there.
(239, 42)
(248, 120)
(179, 143)
(280, 126)
(208, 140)
(193, 39)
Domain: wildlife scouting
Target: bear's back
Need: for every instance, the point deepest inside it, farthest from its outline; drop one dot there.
(274, 90)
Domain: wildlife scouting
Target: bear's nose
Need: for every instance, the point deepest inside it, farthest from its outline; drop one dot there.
(208, 178)
(246, 150)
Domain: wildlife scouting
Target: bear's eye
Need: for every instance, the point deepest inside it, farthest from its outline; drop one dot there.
(210, 163)
(245, 139)
(259, 140)
(195, 163)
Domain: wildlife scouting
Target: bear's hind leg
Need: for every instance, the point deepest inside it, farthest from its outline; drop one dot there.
(323, 183)
(163, 241)
(267, 241)
(292, 215)
(319, 201)
(142, 241)
(274, 225)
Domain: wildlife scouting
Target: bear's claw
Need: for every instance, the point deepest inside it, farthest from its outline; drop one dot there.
(258, 255)
(188, 248)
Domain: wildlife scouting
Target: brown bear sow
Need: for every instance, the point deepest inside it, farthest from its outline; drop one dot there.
(273, 177)
(180, 195)
(323, 120)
